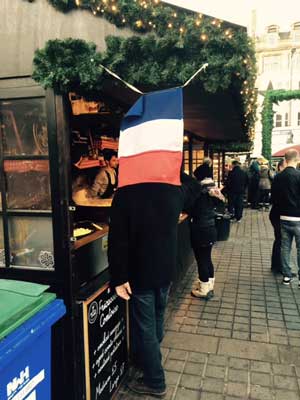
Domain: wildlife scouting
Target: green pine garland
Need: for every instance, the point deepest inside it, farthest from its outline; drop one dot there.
(272, 97)
(181, 41)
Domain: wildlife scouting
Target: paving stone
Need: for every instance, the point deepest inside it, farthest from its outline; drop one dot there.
(193, 368)
(197, 357)
(211, 396)
(236, 375)
(174, 365)
(279, 339)
(238, 363)
(206, 331)
(259, 378)
(217, 360)
(286, 394)
(294, 342)
(286, 370)
(177, 355)
(261, 393)
(213, 385)
(237, 389)
(285, 382)
(223, 333)
(289, 355)
(241, 335)
(190, 382)
(214, 371)
(172, 378)
(189, 342)
(252, 351)
(185, 394)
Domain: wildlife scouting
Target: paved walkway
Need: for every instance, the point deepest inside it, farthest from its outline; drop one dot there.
(244, 343)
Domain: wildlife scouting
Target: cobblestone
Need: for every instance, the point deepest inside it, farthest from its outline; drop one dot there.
(244, 344)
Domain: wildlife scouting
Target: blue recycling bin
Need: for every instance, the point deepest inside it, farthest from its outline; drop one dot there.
(25, 356)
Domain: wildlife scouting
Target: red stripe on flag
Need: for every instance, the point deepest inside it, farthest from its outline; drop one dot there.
(156, 167)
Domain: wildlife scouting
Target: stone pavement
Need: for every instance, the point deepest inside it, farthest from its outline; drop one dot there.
(245, 342)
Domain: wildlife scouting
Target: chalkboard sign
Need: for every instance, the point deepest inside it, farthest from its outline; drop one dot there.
(105, 343)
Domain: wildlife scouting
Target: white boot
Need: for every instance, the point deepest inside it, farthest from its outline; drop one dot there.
(212, 284)
(202, 290)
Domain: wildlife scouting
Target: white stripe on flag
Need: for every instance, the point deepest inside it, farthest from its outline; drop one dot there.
(154, 135)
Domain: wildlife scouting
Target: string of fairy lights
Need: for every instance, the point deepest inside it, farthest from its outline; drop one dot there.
(153, 16)
(150, 15)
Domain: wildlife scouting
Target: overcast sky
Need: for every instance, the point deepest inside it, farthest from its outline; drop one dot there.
(280, 12)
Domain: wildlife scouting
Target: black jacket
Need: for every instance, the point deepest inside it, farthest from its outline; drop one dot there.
(142, 241)
(237, 181)
(286, 192)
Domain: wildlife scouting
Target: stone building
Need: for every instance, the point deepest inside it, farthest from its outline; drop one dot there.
(278, 64)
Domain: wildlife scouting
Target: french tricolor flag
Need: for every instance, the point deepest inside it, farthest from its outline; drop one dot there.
(151, 139)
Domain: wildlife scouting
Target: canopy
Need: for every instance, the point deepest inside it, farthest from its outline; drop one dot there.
(282, 152)
(209, 116)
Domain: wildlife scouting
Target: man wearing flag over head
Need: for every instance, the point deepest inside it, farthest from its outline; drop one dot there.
(143, 228)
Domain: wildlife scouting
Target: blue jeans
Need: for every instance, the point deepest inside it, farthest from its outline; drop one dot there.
(147, 311)
(289, 230)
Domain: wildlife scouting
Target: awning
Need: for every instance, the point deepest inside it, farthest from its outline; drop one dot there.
(282, 152)
(209, 116)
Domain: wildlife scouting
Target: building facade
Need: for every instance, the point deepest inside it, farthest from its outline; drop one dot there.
(278, 65)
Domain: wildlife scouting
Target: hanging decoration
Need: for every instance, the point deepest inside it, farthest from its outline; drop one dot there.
(174, 44)
(273, 97)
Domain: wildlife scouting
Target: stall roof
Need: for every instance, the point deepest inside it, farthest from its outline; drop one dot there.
(213, 117)
(282, 152)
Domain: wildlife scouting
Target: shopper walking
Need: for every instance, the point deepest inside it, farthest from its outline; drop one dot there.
(286, 196)
(236, 185)
(253, 184)
(274, 216)
(264, 185)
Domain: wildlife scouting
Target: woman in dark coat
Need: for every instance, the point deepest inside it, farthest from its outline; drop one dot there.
(204, 235)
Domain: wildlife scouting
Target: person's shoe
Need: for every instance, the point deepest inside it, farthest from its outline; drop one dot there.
(238, 220)
(138, 386)
(202, 291)
(212, 284)
(286, 280)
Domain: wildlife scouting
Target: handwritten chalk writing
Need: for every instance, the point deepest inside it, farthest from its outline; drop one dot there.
(105, 318)
(104, 304)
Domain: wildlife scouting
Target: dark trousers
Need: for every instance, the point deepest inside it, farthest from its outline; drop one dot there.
(264, 196)
(147, 329)
(276, 250)
(235, 205)
(204, 262)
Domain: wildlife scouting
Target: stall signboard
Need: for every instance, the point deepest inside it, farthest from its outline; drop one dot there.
(105, 343)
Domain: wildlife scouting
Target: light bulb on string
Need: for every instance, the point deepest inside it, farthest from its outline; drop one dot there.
(181, 30)
(77, 2)
(203, 37)
(170, 25)
(198, 23)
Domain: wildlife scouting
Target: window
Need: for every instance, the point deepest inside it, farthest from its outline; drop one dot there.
(271, 63)
(25, 215)
(298, 118)
(296, 32)
(278, 120)
(286, 120)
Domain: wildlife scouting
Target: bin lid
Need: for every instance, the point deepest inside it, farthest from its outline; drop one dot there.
(19, 301)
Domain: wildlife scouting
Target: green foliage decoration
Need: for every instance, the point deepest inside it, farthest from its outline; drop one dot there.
(172, 44)
(272, 97)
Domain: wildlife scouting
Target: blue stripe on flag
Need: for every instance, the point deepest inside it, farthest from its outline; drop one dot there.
(165, 104)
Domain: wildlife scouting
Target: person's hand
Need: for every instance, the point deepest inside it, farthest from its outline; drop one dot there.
(124, 291)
